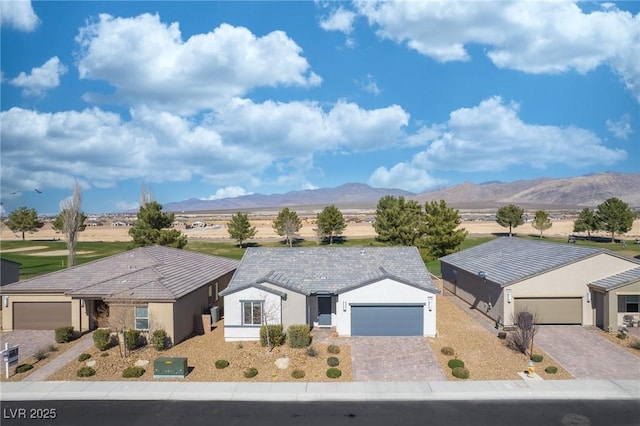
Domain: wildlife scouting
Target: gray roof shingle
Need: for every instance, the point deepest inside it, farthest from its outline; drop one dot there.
(310, 270)
(618, 280)
(145, 273)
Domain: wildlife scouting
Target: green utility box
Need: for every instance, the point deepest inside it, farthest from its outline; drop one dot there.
(170, 368)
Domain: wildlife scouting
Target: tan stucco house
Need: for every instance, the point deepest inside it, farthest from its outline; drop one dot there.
(560, 283)
(145, 288)
(369, 291)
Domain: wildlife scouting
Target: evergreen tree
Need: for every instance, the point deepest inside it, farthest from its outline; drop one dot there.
(287, 224)
(240, 228)
(331, 222)
(541, 221)
(24, 220)
(398, 221)
(441, 233)
(587, 221)
(151, 228)
(510, 216)
(615, 216)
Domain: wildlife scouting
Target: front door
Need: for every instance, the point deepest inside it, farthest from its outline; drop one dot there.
(324, 310)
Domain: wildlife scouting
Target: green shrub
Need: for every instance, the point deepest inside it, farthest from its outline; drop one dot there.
(222, 363)
(275, 336)
(86, 372)
(551, 369)
(332, 361)
(39, 355)
(132, 339)
(64, 334)
(333, 373)
(447, 350)
(84, 357)
(250, 372)
(23, 367)
(635, 344)
(622, 335)
(297, 374)
(333, 349)
(132, 372)
(455, 363)
(312, 352)
(102, 339)
(160, 340)
(299, 335)
(537, 358)
(460, 373)
(52, 348)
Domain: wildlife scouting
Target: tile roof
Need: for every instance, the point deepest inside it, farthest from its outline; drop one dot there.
(506, 260)
(617, 280)
(329, 269)
(145, 273)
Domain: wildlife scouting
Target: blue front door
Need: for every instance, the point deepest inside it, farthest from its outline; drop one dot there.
(324, 310)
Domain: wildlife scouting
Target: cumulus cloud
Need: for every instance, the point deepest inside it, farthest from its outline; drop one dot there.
(404, 176)
(621, 128)
(228, 192)
(148, 62)
(340, 19)
(18, 14)
(368, 84)
(41, 78)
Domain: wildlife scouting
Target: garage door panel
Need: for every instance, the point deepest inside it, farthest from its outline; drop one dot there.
(564, 310)
(387, 320)
(41, 315)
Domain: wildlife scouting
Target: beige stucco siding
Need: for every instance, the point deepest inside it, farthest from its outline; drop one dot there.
(187, 310)
(615, 312)
(294, 306)
(79, 314)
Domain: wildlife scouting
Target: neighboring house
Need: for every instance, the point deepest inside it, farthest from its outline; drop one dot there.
(561, 283)
(9, 272)
(146, 288)
(385, 291)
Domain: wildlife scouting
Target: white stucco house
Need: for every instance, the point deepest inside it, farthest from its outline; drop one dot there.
(372, 291)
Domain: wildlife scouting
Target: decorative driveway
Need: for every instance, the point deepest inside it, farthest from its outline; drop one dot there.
(30, 341)
(585, 354)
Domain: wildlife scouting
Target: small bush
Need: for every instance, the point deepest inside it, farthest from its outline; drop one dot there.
(104, 354)
(312, 352)
(160, 340)
(132, 372)
(551, 369)
(222, 363)
(40, 355)
(297, 374)
(102, 339)
(447, 350)
(52, 348)
(333, 373)
(621, 335)
(460, 373)
(537, 358)
(275, 336)
(23, 367)
(84, 357)
(333, 349)
(64, 334)
(86, 372)
(132, 339)
(635, 344)
(250, 372)
(455, 363)
(332, 361)
(299, 335)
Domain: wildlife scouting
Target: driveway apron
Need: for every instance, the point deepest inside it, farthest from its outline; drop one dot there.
(30, 342)
(585, 354)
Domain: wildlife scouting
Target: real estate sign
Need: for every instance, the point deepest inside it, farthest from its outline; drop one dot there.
(9, 356)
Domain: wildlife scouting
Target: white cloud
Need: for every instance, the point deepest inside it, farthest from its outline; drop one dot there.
(18, 14)
(368, 84)
(621, 128)
(533, 37)
(229, 192)
(41, 78)
(340, 19)
(404, 176)
(149, 63)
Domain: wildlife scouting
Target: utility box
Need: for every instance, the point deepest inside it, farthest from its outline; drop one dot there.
(170, 368)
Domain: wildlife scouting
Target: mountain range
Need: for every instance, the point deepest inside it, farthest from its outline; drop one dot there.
(574, 192)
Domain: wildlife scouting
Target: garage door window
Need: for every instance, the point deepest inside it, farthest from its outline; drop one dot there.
(142, 318)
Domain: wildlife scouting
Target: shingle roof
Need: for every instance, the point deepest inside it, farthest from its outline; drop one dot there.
(145, 273)
(617, 280)
(506, 260)
(309, 270)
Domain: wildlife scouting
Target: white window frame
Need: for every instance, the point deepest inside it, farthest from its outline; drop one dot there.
(138, 317)
(252, 304)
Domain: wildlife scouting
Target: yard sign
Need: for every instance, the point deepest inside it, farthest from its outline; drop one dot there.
(9, 356)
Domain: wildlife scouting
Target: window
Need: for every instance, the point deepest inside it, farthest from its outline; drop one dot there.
(632, 303)
(252, 312)
(142, 317)
(214, 291)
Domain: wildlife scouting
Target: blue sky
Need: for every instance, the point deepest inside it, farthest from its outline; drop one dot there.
(219, 99)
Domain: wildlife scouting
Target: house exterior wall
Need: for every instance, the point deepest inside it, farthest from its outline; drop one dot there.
(294, 307)
(79, 314)
(483, 295)
(312, 307)
(386, 291)
(9, 272)
(186, 311)
(161, 317)
(614, 314)
(223, 282)
(234, 330)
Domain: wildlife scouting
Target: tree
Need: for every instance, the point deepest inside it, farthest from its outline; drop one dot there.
(72, 221)
(510, 216)
(524, 330)
(240, 228)
(615, 216)
(287, 224)
(541, 221)
(398, 221)
(24, 220)
(331, 222)
(587, 221)
(150, 228)
(441, 236)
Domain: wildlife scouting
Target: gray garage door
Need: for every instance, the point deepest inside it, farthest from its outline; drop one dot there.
(387, 320)
(564, 310)
(41, 315)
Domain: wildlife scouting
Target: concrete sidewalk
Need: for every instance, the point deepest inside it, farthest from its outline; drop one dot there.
(345, 391)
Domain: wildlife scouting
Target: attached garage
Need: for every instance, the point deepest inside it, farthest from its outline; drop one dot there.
(387, 320)
(41, 315)
(564, 310)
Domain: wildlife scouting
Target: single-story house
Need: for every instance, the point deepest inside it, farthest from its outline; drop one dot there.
(560, 283)
(146, 288)
(372, 291)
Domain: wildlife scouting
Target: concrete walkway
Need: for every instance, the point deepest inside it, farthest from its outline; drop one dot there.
(83, 344)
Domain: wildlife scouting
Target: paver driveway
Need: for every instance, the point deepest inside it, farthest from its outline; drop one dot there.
(30, 341)
(585, 354)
